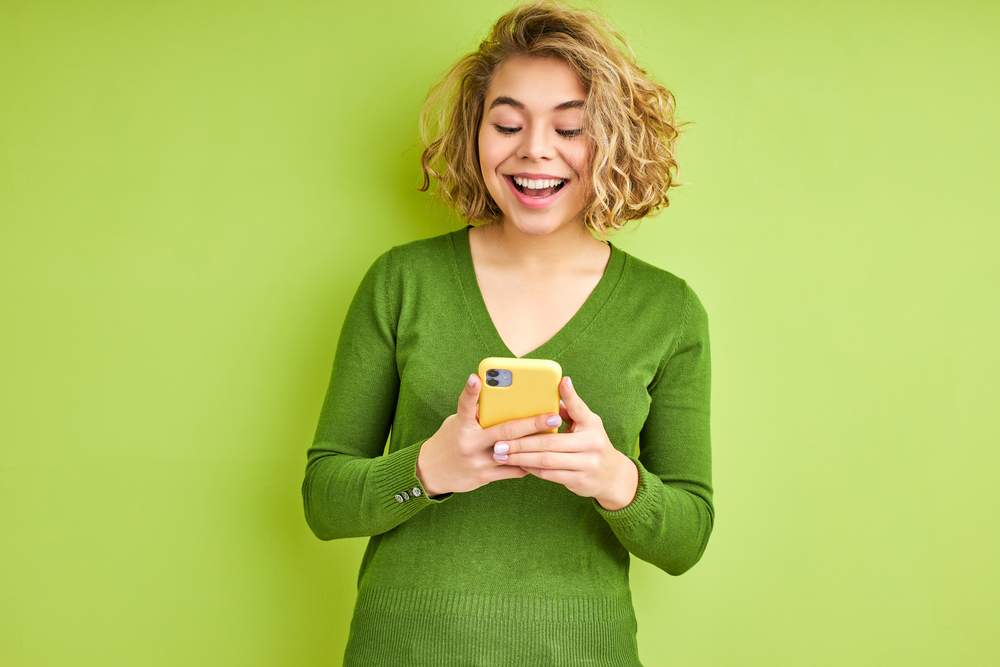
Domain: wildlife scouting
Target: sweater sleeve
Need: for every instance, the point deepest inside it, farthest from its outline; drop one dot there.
(352, 489)
(669, 521)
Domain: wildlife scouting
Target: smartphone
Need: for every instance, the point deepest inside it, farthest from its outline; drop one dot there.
(516, 388)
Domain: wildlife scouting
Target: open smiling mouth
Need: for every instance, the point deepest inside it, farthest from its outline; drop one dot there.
(537, 188)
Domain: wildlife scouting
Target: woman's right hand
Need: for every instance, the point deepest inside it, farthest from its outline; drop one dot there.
(459, 457)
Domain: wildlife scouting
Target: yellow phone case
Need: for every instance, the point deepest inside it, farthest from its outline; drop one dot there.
(533, 390)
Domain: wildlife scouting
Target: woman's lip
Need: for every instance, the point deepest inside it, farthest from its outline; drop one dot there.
(533, 202)
(538, 177)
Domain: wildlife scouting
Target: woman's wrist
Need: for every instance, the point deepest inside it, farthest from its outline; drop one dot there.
(622, 491)
(421, 472)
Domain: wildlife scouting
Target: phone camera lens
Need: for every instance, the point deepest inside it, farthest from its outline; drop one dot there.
(492, 373)
(491, 382)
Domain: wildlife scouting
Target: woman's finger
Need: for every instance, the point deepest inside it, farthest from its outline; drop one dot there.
(563, 477)
(507, 472)
(468, 401)
(547, 460)
(575, 407)
(567, 420)
(518, 428)
(542, 442)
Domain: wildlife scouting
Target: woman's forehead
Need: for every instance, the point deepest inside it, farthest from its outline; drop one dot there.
(541, 84)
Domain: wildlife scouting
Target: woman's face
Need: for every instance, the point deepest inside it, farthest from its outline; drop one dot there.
(532, 148)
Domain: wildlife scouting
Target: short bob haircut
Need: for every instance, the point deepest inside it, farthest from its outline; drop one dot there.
(628, 117)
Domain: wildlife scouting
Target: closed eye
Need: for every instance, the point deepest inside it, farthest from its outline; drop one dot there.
(503, 129)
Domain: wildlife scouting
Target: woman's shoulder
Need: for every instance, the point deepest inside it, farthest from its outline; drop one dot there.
(642, 277)
(422, 253)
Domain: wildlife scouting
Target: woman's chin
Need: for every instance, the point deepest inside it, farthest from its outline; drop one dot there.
(540, 225)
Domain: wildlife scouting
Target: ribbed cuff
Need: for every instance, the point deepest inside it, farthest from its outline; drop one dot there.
(400, 492)
(641, 506)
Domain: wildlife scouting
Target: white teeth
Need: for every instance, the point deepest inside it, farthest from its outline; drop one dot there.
(537, 185)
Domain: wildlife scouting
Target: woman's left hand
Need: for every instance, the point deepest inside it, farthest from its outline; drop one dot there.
(581, 458)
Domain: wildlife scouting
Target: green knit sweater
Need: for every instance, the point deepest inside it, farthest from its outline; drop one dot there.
(520, 571)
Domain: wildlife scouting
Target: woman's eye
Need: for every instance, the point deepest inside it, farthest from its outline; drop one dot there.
(506, 130)
(570, 133)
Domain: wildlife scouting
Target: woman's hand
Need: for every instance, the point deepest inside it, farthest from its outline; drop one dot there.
(459, 457)
(582, 458)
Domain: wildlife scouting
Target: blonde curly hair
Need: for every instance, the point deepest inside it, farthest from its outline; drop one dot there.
(629, 117)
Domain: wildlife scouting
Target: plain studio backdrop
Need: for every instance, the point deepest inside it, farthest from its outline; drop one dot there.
(190, 192)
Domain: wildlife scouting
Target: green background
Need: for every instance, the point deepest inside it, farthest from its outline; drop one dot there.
(191, 191)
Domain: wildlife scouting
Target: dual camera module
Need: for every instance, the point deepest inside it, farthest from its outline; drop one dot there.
(498, 377)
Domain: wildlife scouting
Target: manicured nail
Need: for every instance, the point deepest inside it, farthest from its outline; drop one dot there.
(472, 380)
(501, 448)
(569, 381)
(554, 420)
(500, 457)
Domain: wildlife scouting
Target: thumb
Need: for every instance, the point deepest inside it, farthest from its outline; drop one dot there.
(468, 401)
(575, 407)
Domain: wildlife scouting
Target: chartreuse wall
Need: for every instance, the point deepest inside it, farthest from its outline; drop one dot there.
(190, 191)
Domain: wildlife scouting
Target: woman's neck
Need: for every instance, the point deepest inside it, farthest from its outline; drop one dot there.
(565, 250)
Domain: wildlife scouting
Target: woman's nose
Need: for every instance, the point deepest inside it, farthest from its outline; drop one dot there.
(536, 144)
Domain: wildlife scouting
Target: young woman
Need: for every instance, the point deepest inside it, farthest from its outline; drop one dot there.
(506, 545)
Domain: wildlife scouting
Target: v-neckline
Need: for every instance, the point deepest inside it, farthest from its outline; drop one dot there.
(558, 343)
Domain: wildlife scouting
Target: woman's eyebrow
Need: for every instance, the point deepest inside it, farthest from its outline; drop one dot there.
(503, 99)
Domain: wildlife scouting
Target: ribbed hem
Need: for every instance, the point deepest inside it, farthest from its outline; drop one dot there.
(636, 511)
(526, 609)
(418, 627)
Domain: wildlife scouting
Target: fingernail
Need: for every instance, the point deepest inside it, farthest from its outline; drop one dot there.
(500, 457)
(569, 381)
(472, 380)
(501, 448)
(553, 421)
